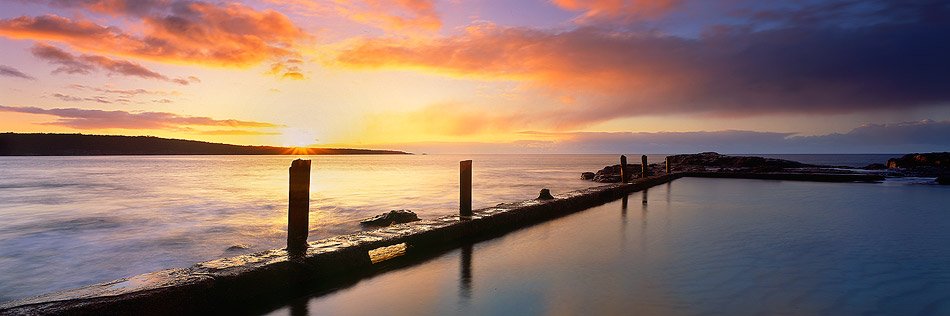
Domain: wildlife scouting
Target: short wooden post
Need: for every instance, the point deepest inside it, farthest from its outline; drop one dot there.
(465, 189)
(667, 165)
(298, 214)
(643, 166)
(623, 166)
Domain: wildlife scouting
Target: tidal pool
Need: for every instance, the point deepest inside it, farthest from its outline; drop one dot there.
(691, 247)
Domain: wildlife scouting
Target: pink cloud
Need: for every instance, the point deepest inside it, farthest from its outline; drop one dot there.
(100, 119)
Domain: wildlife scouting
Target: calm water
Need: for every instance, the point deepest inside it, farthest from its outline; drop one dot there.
(72, 221)
(692, 247)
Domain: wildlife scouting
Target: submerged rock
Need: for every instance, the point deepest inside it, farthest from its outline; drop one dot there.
(587, 176)
(390, 218)
(238, 247)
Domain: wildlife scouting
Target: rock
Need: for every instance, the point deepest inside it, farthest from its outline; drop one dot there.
(238, 247)
(945, 180)
(611, 174)
(874, 166)
(938, 160)
(545, 195)
(390, 218)
(587, 176)
(712, 159)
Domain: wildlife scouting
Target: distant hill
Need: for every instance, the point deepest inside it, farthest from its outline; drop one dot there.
(15, 144)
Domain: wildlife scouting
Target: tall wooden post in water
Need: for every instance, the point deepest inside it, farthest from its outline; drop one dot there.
(465, 189)
(668, 165)
(623, 167)
(643, 166)
(298, 213)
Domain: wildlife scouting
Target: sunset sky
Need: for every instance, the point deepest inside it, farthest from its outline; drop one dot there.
(486, 76)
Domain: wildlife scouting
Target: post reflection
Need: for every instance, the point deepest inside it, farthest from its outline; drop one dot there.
(299, 308)
(643, 223)
(623, 207)
(465, 273)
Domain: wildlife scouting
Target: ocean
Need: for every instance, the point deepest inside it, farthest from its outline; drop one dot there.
(72, 221)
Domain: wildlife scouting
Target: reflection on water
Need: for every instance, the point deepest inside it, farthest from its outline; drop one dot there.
(714, 247)
(72, 221)
(465, 272)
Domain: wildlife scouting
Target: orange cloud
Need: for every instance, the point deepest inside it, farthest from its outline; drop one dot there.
(623, 10)
(226, 35)
(99, 119)
(288, 69)
(390, 15)
(235, 132)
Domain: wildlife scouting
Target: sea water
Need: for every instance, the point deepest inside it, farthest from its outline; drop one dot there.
(694, 246)
(72, 221)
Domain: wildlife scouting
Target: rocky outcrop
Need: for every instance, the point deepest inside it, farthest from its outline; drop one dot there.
(933, 160)
(712, 159)
(390, 218)
(611, 174)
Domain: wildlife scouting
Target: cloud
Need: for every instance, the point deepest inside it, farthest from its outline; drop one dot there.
(99, 119)
(86, 64)
(127, 92)
(289, 69)
(734, 71)
(235, 132)
(178, 32)
(399, 16)
(618, 10)
(13, 72)
(922, 136)
(70, 98)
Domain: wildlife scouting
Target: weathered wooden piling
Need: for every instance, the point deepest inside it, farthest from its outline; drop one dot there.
(623, 165)
(643, 166)
(465, 189)
(298, 211)
(667, 164)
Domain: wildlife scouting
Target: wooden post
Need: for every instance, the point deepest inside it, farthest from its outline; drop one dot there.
(668, 165)
(643, 166)
(298, 214)
(465, 189)
(623, 173)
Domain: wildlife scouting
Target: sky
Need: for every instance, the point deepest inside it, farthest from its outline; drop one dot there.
(486, 76)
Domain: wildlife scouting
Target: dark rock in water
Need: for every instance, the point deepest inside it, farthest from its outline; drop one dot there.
(874, 166)
(945, 180)
(712, 159)
(939, 160)
(545, 195)
(390, 218)
(611, 174)
(587, 176)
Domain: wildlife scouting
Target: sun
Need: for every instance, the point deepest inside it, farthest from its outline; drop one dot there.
(298, 137)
